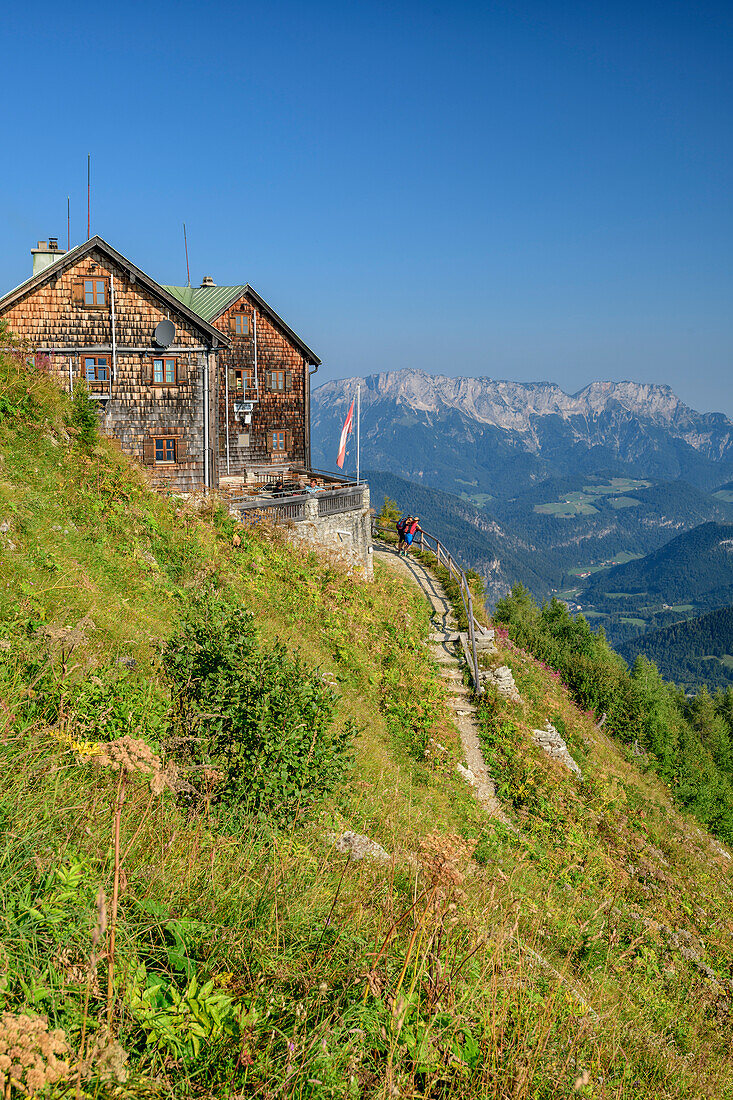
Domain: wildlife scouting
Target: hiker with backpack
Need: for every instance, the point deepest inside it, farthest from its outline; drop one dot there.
(411, 529)
(401, 525)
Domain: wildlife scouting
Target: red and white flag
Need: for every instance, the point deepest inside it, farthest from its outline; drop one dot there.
(347, 428)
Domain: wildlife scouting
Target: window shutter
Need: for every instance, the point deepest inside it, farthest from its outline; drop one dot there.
(181, 370)
(77, 292)
(268, 381)
(147, 372)
(288, 441)
(269, 443)
(232, 322)
(288, 381)
(149, 452)
(181, 450)
(232, 379)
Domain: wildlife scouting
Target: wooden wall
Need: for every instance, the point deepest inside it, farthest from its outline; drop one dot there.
(136, 410)
(272, 410)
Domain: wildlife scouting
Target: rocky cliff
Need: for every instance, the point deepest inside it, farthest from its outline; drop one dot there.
(631, 427)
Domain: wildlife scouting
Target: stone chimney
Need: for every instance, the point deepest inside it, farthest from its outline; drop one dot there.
(46, 254)
(207, 281)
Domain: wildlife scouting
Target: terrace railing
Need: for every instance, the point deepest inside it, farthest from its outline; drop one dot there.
(443, 556)
(288, 508)
(343, 500)
(293, 507)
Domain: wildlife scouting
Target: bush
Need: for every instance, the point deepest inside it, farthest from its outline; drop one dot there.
(84, 416)
(257, 715)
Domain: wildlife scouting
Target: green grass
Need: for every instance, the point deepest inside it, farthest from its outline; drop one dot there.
(619, 559)
(617, 485)
(252, 959)
(634, 622)
(579, 503)
(575, 505)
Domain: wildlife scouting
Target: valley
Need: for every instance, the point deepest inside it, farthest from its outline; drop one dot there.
(571, 495)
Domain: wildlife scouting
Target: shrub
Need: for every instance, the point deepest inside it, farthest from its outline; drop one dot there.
(84, 416)
(257, 716)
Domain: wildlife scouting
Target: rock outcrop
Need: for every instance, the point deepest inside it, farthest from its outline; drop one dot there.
(550, 741)
(502, 679)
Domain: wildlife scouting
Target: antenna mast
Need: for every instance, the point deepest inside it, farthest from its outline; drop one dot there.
(89, 194)
(68, 223)
(185, 243)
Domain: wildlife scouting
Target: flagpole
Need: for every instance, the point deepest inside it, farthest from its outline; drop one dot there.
(358, 430)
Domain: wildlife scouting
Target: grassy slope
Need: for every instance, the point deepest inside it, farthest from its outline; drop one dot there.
(348, 979)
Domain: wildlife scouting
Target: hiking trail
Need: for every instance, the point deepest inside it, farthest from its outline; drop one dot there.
(444, 645)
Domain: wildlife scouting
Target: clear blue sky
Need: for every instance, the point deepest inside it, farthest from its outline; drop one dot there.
(527, 191)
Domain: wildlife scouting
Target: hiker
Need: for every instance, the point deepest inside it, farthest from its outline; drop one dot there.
(411, 530)
(401, 525)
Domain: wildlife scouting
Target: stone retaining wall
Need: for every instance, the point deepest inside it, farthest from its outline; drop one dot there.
(348, 534)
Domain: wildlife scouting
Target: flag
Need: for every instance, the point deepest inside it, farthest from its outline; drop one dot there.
(348, 427)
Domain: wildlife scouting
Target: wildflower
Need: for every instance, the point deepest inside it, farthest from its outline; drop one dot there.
(30, 1054)
(440, 858)
(131, 754)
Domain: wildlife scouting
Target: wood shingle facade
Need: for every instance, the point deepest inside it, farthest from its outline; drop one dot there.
(263, 384)
(195, 383)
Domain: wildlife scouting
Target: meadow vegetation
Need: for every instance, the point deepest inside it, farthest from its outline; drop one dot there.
(188, 719)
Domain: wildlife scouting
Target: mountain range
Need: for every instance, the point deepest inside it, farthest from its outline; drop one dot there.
(481, 436)
(618, 498)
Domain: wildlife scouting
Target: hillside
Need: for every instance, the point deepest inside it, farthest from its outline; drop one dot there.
(500, 558)
(191, 710)
(692, 653)
(696, 566)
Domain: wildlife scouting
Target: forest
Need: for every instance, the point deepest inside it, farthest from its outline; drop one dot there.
(693, 652)
(687, 741)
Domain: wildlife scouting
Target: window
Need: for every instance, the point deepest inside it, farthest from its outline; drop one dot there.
(96, 368)
(164, 371)
(243, 380)
(278, 442)
(241, 324)
(165, 450)
(95, 292)
(277, 380)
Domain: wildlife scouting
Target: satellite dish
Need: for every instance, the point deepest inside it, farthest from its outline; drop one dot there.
(165, 334)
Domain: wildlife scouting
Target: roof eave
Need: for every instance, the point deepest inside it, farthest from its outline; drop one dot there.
(76, 253)
(309, 355)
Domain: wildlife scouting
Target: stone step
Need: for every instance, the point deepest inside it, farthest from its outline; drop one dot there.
(446, 636)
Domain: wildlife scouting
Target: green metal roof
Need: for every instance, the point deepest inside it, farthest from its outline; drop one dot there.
(207, 301)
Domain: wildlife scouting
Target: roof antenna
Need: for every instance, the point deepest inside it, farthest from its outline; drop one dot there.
(68, 223)
(185, 243)
(89, 194)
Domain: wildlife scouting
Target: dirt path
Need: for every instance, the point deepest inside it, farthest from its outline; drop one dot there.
(444, 646)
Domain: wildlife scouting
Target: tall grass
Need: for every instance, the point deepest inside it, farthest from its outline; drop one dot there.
(250, 958)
